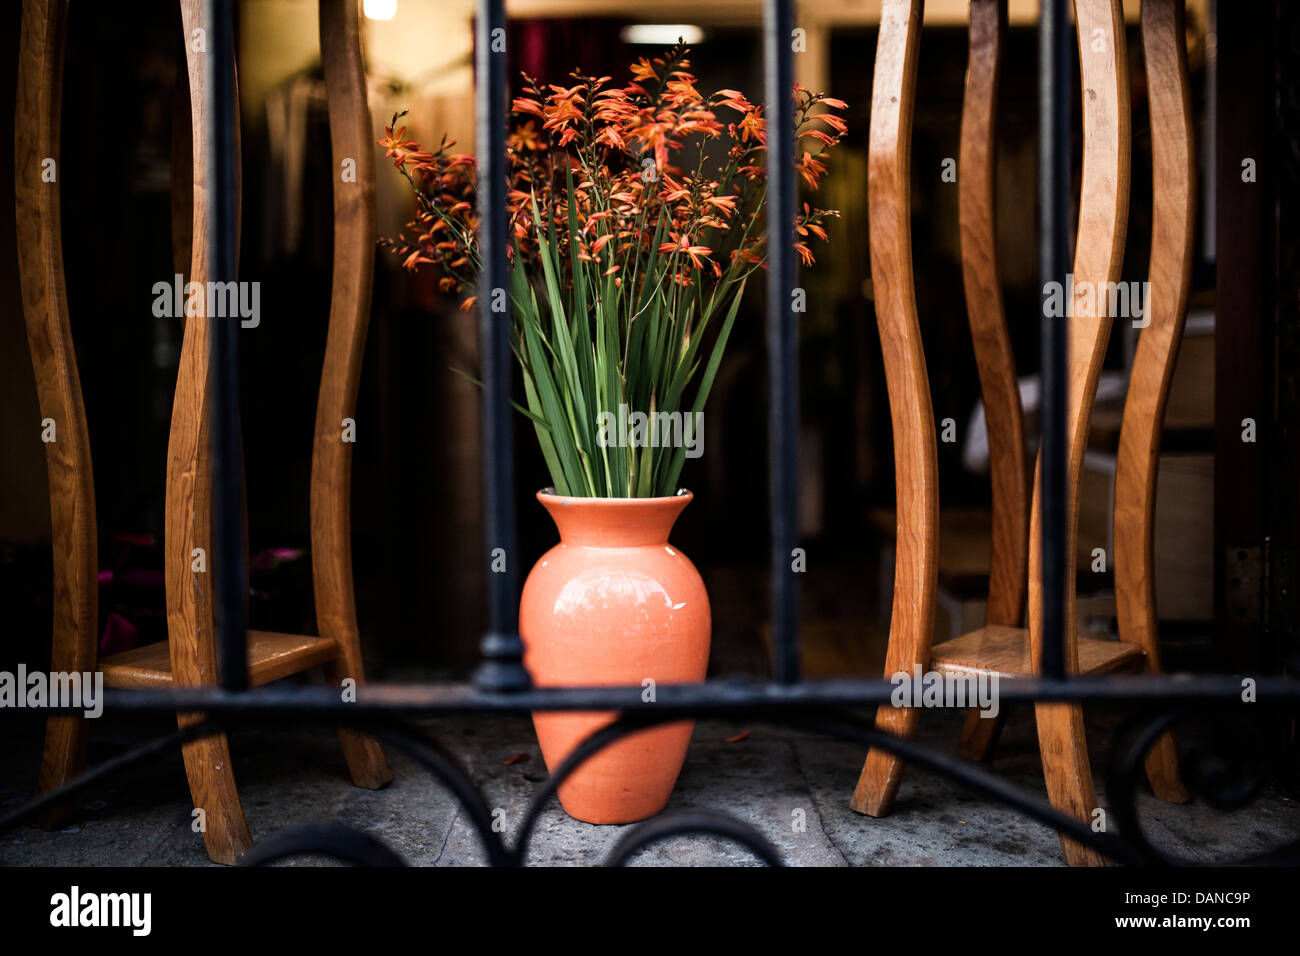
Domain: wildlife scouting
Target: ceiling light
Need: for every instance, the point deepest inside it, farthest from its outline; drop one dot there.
(379, 9)
(661, 34)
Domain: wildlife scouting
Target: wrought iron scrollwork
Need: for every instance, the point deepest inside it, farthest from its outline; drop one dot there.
(1224, 771)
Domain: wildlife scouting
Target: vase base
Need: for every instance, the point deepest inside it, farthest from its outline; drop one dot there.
(597, 818)
(624, 782)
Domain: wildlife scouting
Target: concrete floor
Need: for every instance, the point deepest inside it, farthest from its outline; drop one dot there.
(142, 818)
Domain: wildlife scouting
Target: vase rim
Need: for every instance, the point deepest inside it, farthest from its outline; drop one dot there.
(549, 494)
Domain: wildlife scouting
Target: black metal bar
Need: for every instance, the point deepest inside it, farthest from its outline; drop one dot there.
(229, 561)
(1127, 766)
(502, 667)
(711, 697)
(782, 338)
(1053, 246)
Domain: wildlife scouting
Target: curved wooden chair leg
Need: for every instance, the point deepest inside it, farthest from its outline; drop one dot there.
(1162, 771)
(1172, 236)
(1099, 253)
(213, 790)
(190, 625)
(911, 627)
(331, 478)
(882, 773)
(979, 735)
(1068, 773)
(49, 338)
(994, 358)
(1062, 745)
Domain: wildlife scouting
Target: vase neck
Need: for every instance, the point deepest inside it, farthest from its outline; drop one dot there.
(614, 522)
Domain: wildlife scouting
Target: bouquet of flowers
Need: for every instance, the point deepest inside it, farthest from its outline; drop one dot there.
(635, 213)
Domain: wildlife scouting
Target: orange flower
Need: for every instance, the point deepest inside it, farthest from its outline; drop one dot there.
(525, 137)
(811, 170)
(642, 69)
(524, 105)
(616, 145)
(693, 252)
(682, 90)
(753, 126)
(736, 100)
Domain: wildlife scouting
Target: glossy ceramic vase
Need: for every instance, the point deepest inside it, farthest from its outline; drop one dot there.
(614, 604)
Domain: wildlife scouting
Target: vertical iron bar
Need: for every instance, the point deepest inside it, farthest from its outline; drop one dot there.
(1054, 206)
(782, 337)
(502, 651)
(227, 468)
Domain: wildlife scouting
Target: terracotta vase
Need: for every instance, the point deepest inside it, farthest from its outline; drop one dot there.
(614, 604)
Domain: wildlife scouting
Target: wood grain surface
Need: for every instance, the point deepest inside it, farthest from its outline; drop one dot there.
(1098, 255)
(1173, 231)
(188, 506)
(1005, 651)
(73, 538)
(911, 624)
(351, 138)
(270, 656)
(994, 358)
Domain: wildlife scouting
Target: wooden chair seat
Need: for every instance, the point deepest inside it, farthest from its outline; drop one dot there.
(271, 656)
(1005, 651)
